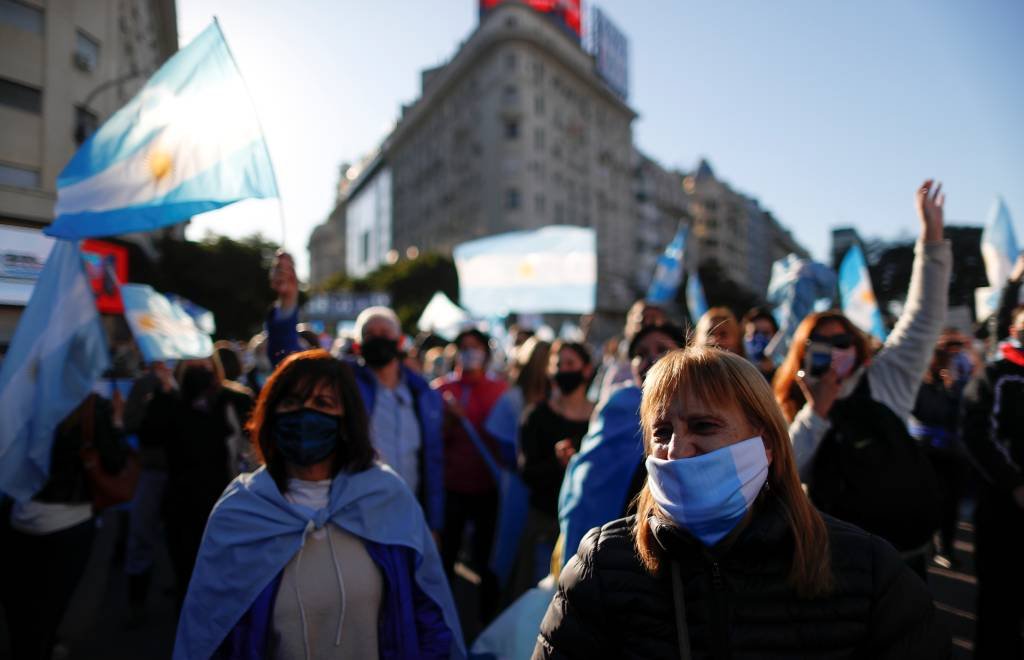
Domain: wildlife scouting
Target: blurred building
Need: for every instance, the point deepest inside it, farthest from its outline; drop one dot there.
(327, 241)
(525, 127)
(732, 229)
(517, 131)
(65, 66)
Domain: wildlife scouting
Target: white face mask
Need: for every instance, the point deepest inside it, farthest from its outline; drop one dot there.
(843, 361)
(709, 495)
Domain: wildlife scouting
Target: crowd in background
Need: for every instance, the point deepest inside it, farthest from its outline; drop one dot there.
(891, 437)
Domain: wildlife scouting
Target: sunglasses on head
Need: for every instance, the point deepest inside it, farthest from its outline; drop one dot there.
(844, 340)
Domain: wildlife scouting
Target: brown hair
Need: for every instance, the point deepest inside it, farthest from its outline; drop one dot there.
(722, 379)
(789, 396)
(299, 375)
(532, 369)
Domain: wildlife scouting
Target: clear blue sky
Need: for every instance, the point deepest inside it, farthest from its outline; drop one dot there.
(829, 112)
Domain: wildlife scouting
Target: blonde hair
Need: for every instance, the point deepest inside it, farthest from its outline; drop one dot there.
(722, 379)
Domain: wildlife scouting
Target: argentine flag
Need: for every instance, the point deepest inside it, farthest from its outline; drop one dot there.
(58, 353)
(857, 296)
(999, 250)
(188, 142)
(696, 303)
(552, 269)
(668, 273)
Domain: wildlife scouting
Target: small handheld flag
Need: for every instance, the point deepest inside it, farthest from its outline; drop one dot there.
(858, 298)
(696, 303)
(162, 329)
(668, 273)
(188, 142)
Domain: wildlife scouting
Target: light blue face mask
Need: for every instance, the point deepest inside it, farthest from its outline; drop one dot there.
(708, 495)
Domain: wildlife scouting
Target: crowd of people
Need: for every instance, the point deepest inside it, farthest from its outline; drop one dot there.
(693, 494)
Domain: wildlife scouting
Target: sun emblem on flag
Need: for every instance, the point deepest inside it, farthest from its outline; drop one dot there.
(160, 163)
(867, 296)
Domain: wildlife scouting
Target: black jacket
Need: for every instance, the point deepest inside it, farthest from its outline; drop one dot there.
(993, 424)
(738, 602)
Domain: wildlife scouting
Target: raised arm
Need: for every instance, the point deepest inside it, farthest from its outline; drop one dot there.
(897, 371)
(282, 335)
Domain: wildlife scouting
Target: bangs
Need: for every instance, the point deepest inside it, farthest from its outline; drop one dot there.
(689, 371)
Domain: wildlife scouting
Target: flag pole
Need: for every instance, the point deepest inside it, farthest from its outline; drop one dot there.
(273, 172)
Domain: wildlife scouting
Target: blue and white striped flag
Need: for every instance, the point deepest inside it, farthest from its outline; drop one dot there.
(696, 303)
(797, 288)
(552, 269)
(162, 329)
(188, 142)
(857, 296)
(999, 249)
(58, 353)
(668, 272)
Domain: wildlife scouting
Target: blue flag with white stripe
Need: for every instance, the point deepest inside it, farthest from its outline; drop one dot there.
(58, 353)
(999, 249)
(189, 142)
(162, 329)
(857, 295)
(668, 273)
(696, 303)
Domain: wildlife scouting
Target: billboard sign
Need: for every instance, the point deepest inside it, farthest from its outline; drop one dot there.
(566, 13)
(334, 307)
(611, 52)
(23, 254)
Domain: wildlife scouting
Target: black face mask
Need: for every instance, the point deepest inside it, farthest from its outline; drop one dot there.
(378, 351)
(568, 381)
(196, 382)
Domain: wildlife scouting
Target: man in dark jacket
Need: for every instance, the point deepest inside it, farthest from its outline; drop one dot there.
(405, 414)
(994, 434)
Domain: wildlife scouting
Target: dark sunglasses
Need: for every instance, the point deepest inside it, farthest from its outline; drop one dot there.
(837, 341)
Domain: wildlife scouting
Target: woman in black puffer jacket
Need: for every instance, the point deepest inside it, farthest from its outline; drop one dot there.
(726, 557)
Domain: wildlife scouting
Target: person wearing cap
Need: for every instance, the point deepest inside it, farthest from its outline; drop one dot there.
(405, 413)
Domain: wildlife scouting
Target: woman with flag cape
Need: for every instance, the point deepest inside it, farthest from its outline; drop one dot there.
(322, 552)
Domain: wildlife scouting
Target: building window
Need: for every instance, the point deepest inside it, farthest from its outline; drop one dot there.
(510, 93)
(511, 129)
(87, 52)
(21, 96)
(538, 138)
(19, 177)
(559, 213)
(21, 16)
(539, 203)
(510, 61)
(86, 124)
(512, 199)
(365, 248)
(538, 104)
(538, 72)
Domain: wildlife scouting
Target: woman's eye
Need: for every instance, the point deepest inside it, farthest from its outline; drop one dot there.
(704, 427)
(662, 434)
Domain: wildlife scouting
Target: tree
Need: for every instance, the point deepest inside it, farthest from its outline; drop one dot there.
(228, 277)
(411, 283)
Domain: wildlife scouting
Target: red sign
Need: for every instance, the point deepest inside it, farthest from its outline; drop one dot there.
(566, 12)
(106, 265)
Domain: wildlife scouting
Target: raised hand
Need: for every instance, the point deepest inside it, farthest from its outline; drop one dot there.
(283, 280)
(929, 201)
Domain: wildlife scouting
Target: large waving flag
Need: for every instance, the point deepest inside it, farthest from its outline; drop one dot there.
(858, 298)
(552, 269)
(668, 272)
(999, 249)
(696, 303)
(162, 328)
(58, 353)
(188, 142)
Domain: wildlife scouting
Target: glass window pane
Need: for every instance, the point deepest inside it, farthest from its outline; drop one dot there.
(21, 16)
(87, 52)
(21, 96)
(19, 177)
